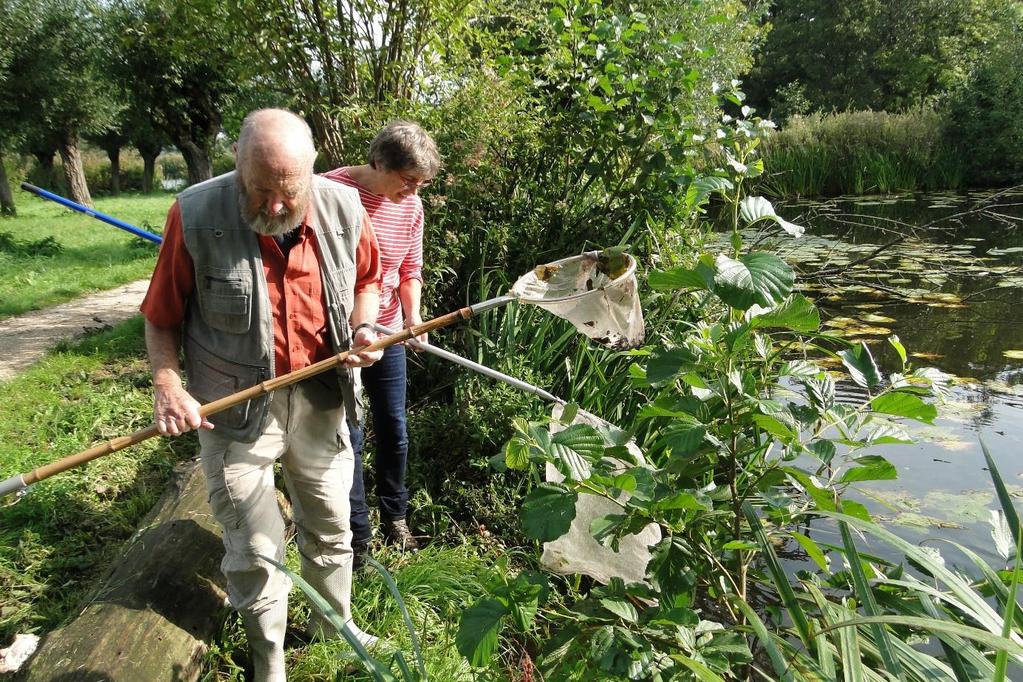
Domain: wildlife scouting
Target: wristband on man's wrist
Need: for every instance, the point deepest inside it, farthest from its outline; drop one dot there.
(362, 325)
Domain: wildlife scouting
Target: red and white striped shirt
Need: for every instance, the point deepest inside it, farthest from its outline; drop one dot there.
(399, 231)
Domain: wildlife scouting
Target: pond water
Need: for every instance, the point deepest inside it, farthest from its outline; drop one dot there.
(949, 283)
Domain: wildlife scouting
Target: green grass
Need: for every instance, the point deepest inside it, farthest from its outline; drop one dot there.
(58, 539)
(93, 256)
(437, 585)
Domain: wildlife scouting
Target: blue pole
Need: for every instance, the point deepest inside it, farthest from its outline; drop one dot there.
(95, 214)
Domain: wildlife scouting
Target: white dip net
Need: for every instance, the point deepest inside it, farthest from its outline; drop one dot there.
(576, 551)
(596, 291)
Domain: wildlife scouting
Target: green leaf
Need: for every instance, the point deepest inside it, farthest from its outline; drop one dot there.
(775, 427)
(477, 633)
(745, 545)
(677, 278)
(861, 366)
(706, 185)
(516, 454)
(667, 363)
(756, 278)
(824, 450)
(872, 468)
(684, 437)
(796, 313)
(854, 509)
(812, 550)
(753, 209)
(669, 568)
(894, 342)
(903, 404)
(548, 511)
(621, 608)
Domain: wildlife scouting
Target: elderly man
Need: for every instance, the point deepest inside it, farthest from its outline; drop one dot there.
(264, 271)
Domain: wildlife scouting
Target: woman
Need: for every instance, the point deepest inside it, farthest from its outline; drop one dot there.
(402, 159)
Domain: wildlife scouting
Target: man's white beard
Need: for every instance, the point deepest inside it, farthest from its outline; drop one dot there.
(272, 226)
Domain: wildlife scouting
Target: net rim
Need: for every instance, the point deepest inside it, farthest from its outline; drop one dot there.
(629, 272)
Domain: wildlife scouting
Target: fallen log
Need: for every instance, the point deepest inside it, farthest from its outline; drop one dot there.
(162, 602)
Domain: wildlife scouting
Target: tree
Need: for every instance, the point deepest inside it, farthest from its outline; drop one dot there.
(866, 54)
(112, 140)
(181, 59)
(56, 81)
(339, 63)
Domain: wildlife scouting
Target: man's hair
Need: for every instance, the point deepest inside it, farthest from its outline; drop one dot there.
(404, 146)
(251, 124)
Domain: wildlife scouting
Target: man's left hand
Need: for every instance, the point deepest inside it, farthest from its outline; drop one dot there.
(364, 336)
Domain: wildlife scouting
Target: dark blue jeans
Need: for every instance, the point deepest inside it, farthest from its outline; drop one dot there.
(385, 387)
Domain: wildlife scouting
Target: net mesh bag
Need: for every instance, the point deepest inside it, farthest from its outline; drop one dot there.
(576, 551)
(595, 291)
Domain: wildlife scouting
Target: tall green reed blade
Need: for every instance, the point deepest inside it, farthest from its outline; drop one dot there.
(1002, 657)
(957, 651)
(379, 670)
(781, 581)
(866, 597)
(1003, 495)
(1001, 592)
(984, 637)
(972, 602)
(781, 666)
(396, 593)
(852, 668)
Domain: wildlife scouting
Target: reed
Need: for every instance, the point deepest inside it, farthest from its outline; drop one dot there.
(861, 152)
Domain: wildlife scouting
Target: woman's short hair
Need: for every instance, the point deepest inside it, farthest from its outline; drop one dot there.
(404, 146)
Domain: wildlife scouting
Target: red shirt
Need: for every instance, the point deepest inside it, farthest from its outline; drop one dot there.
(294, 286)
(399, 231)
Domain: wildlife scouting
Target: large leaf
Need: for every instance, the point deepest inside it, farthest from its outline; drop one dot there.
(477, 631)
(861, 366)
(753, 209)
(678, 278)
(872, 468)
(548, 511)
(756, 278)
(796, 313)
(903, 404)
(703, 187)
(667, 363)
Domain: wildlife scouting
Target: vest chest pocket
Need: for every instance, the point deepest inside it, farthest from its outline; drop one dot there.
(225, 299)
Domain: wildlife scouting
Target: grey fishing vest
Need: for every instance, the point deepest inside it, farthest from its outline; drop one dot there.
(228, 331)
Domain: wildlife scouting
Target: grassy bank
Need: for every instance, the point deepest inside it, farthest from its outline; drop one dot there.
(860, 152)
(50, 254)
(60, 537)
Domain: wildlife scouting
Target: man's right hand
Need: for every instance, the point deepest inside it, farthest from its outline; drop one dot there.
(176, 411)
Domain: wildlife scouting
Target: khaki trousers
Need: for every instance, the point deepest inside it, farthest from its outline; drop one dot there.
(307, 433)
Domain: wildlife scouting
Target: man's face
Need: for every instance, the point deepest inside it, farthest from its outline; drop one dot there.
(274, 197)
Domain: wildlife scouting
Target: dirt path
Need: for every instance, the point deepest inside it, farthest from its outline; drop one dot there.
(26, 338)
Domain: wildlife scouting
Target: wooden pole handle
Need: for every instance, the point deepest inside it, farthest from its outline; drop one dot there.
(262, 388)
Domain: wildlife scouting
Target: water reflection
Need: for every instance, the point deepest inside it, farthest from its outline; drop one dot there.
(944, 272)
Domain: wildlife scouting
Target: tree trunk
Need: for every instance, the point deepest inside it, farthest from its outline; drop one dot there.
(114, 154)
(197, 158)
(148, 170)
(74, 172)
(6, 197)
(45, 161)
(163, 602)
